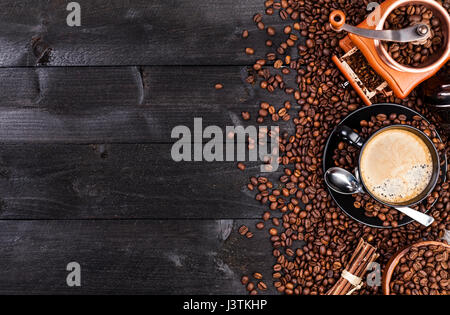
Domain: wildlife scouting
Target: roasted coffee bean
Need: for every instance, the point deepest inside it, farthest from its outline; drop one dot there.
(245, 115)
(287, 29)
(271, 31)
(243, 230)
(262, 286)
(310, 43)
(249, 51)
(257, 18)
(257, 276)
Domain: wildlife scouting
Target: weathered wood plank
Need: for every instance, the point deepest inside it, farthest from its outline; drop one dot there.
(42, 181)
(132, 32)
(121, 104)
(131, 257)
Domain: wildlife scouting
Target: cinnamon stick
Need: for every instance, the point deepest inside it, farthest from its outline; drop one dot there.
(362, 257)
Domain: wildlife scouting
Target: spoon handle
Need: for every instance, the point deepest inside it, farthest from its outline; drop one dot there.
(420, 217)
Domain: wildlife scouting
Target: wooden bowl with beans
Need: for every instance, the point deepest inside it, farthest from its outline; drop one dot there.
(419, 269)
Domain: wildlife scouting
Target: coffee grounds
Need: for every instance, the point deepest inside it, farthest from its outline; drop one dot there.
(369, 78)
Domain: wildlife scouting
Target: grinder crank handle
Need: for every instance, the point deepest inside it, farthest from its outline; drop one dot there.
(416, 33)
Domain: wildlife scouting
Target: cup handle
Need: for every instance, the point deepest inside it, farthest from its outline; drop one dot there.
(350, 136)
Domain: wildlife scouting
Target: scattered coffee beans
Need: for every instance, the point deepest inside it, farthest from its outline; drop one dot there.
(314, 239)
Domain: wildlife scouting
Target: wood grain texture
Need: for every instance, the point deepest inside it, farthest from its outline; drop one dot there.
(45, 181)
(132, 32)
(122, 104)
(85, 168)
(131, 257)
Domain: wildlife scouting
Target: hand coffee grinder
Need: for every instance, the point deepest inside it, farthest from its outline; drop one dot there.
(368, 66)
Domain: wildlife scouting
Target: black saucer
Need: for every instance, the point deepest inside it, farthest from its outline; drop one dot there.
(345, 202)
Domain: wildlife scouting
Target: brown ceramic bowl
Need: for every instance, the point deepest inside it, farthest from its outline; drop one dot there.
(393, 262)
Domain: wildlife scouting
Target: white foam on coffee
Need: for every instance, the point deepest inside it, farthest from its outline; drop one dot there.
(396, 166)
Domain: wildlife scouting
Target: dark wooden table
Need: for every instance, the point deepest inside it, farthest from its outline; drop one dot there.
(86, 173)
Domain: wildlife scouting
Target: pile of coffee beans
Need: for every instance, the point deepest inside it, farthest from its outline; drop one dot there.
(312, 238)
(412, 54)
(422, 271)
(346, 156)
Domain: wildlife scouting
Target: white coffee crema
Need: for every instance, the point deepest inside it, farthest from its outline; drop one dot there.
(396, 166)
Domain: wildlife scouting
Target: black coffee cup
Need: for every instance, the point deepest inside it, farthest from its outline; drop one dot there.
(356, 140)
